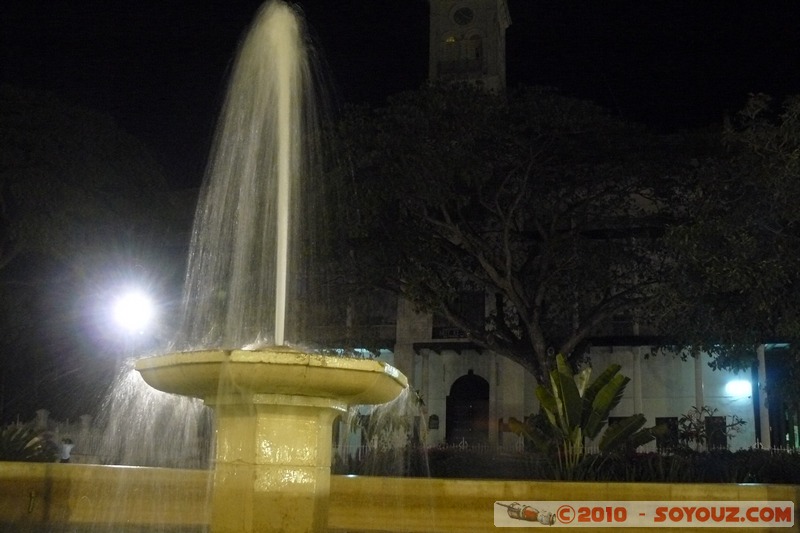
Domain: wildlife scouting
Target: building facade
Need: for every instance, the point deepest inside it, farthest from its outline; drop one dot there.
(471, 393)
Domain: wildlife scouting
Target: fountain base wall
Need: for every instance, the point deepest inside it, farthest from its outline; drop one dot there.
(273, 458)
(38, 497)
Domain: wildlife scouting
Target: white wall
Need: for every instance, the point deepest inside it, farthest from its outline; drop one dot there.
(666, 387)
(669, 389)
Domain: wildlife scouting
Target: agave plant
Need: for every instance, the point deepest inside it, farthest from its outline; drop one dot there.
(575, 409)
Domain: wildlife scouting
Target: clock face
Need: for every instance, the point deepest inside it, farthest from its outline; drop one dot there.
(463, 16)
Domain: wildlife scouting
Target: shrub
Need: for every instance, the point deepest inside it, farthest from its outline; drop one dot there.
(680, 466)
(23, 442)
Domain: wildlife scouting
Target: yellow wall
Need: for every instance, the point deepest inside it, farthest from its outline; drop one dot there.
(34, 493)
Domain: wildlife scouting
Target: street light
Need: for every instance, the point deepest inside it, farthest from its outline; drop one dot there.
(738, 388)
(133, 311)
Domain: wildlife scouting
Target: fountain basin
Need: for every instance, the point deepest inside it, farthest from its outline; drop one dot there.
(274, 411)
(273, 370)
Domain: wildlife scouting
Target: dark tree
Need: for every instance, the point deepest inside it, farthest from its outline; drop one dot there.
(546, 204)
(739, 250)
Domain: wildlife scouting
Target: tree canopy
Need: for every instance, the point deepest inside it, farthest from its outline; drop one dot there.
(739, 252)
(547, 204)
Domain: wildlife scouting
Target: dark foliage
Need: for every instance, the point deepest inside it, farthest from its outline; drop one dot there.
(683, 466)
(547, 204)
(23, 442)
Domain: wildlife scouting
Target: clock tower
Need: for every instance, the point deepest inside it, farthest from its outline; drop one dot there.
(468, 42)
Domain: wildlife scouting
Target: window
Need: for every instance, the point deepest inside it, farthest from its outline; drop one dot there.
(716, 433)
(463, 16)
(473, 48)
(622, 325)
(461, 56)
(669, 440)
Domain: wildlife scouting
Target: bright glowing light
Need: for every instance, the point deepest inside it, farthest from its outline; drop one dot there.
(133, 311)
(739, 388)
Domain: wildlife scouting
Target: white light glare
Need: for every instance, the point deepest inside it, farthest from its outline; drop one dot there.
(133, 311)
(738, 388)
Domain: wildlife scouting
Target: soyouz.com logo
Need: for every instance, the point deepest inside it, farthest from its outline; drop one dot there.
(690, 514)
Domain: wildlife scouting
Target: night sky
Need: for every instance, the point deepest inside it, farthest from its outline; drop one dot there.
(159, 67)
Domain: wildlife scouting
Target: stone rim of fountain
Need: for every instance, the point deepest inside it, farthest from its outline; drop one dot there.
(272, 370)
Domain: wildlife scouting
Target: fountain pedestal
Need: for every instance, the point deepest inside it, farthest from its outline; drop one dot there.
(274, 411)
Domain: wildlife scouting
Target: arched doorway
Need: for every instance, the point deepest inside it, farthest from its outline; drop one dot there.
(468, 410)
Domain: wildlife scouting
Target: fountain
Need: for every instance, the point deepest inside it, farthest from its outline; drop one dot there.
(274, 403)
